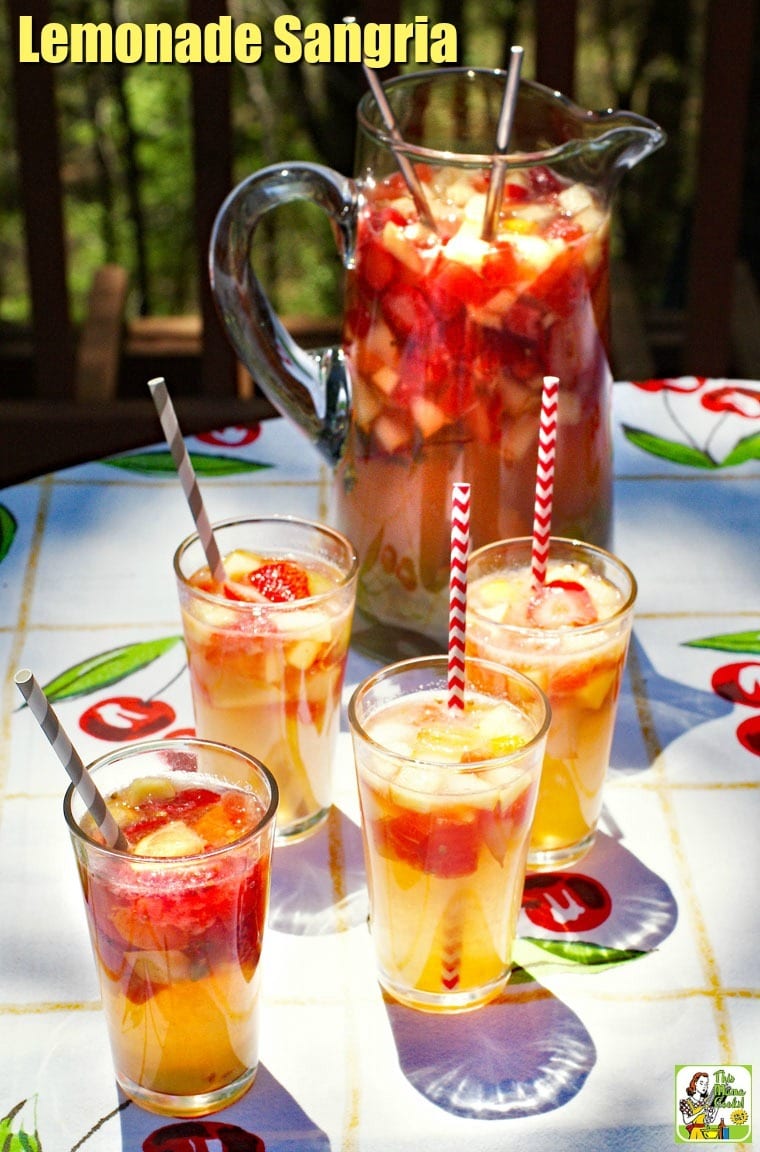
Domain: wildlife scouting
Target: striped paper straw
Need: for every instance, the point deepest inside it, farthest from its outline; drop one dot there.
(42, 710)
(542, 508)
(187, 477)
(460, 547)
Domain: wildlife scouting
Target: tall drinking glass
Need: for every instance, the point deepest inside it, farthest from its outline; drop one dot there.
(571, 638)
(177, 920)
(447, 798)
(267, 651)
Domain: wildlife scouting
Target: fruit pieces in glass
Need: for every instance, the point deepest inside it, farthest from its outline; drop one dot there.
(267, 653)
(447, 799)
(177, 923)
(571, 637)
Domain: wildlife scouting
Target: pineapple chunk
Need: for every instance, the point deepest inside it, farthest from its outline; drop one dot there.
(303, 653)
(390, 433)
(467, 246)
(596, 689)
(144, 789)
(575, 199)
(402, 247)
(475, 210)
(385, 379)
(174, 839)
(428, 417)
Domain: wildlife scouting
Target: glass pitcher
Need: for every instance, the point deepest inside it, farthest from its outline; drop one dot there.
(449, 326)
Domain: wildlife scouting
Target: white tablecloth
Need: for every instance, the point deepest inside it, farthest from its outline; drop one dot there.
(642, 959)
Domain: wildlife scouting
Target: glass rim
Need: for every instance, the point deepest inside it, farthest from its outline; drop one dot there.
(441, 661)
(577, 630)
(254, 606)
(126, 752)
(562, 151)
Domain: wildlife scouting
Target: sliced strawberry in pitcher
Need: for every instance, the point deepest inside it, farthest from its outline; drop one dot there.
(562, 285)
(406, 309)
(455, 286)
(280, 580)
(562, 604)
(377, 266)
(543, 181)
(563, 228)
(500, 265)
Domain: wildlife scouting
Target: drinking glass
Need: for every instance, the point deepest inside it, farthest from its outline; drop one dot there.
(177, 921)
(447, 799)
(573, 642)
(267, 673)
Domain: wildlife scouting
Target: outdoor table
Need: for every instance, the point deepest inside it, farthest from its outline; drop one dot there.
(641, 959)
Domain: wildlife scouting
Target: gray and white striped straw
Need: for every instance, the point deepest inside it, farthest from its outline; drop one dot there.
(43, 712)
(187, 477)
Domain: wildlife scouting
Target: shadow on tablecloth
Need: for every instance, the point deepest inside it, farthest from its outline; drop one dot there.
(266, 1117)
(319, 885)
(521, 1055)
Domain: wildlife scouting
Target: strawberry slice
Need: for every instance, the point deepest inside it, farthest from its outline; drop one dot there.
(563, 228)
(439, 843)
(543, 182)
(562, 604)
(406, 310)
(377, 266)
(280, 580)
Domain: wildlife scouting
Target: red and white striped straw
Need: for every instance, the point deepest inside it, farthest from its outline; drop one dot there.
(43, 712)
(460, 547)
(542, 508)
(187, 477)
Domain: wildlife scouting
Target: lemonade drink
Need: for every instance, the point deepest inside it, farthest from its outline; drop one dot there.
(448, 340)
(267, 652)
(177, 921)
(447, 799)
(571, 638)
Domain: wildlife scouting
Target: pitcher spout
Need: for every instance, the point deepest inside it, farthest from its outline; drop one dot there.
(624, 139)
(595, 147)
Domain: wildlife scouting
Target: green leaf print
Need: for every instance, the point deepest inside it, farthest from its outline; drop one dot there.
(8, 528)
(744, 643)
(743, 450)
(162, 463)
(581, 952)
(105, 669)
(20, 1140)
(672, 450)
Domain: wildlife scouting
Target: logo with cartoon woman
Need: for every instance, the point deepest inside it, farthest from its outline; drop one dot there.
(713, 1102)
(697, 1106)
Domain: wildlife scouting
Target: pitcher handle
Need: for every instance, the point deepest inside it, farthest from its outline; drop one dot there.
(312, 388)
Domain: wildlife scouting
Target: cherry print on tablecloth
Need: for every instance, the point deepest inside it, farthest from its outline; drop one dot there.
(565, 901)
(201, 1136)
(120, 718)
(738, 681)
(729, 439)
(235, 436)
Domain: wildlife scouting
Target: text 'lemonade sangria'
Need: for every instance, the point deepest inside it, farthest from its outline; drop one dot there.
(447, 798)
(177, 921)
(267, 651)
(448, 339)
(571, 637)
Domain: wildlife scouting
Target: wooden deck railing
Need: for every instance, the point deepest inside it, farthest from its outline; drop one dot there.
(77, 398)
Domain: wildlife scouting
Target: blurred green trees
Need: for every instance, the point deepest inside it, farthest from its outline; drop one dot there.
(126, 142)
